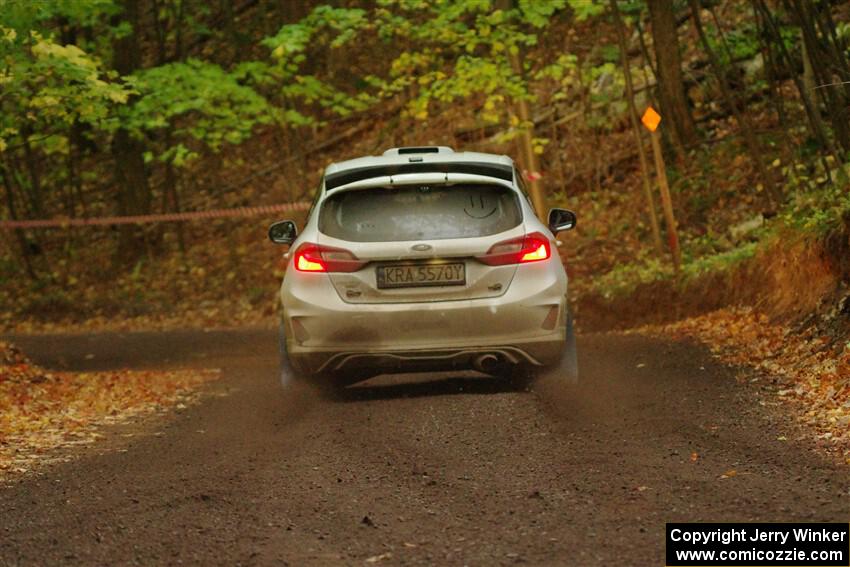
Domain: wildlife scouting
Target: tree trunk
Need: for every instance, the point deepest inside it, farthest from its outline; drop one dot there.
(134, 194)
(559, 154)
(771, 66)
(644, 49)
(527, 145)
(20, 235)
(36, 193)
(826, 70)
(666, 201)
(746, 128)
(633, 115)
(529, 158)
(809, 81)
(171, 196)
(815, 124)
(674, 102)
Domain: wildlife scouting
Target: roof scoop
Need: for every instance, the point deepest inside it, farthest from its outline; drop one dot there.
(412, 150)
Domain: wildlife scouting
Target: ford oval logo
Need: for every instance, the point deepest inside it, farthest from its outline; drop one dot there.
(421, 247)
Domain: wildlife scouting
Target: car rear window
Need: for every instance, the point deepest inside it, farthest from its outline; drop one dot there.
(388, 214)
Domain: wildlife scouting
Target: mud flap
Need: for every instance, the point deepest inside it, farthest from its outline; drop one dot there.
(288, 374)
(569, 360)
(565, 370)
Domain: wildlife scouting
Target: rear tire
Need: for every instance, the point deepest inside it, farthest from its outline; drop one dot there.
(521, 377)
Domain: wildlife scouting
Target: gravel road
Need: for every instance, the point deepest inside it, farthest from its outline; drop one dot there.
(434, 469)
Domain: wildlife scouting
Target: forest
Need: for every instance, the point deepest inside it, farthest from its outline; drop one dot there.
(146, 107)
(150, 107)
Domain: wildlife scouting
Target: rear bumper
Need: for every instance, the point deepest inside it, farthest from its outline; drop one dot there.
(536, 353)
(326, 334)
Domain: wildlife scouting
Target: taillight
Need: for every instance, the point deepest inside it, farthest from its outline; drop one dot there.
(529, 248)
(311, 257)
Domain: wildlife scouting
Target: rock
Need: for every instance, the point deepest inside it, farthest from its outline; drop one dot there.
(753, 68)
(740, 230)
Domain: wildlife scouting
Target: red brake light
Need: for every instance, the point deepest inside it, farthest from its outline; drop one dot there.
(311, 257)
(307, 259)
(540, 253)
(529, 248)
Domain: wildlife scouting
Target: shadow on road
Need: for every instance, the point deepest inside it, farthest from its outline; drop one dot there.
(403, 387)
(93, 352)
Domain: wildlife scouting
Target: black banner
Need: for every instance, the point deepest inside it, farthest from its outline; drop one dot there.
(762, 545)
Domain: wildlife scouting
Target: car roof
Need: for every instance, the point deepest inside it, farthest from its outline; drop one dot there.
(426, 154)
(419, 159)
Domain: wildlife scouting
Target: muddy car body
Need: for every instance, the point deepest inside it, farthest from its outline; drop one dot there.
(423, 258)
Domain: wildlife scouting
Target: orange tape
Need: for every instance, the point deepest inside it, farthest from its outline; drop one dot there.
(164, 217)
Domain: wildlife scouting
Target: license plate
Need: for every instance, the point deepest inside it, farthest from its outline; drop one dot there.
(421, 275)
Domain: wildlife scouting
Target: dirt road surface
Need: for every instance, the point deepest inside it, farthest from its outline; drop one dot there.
(439, 469)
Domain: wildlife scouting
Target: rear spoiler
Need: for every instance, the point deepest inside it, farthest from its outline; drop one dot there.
(496, 170)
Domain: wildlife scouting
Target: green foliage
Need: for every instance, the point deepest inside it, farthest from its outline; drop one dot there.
(721, 261)
(290, 47)
(605, 84)
(631, 9)
(461, 49)
(539, 14)
(36, 14)
(199, 101)
(585, 9)
(737, 44)
(560, 70)
(819, 208)
(625, 278)
(48, 87)
(292, 40)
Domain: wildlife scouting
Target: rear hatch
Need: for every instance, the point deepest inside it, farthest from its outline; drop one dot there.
(420, 242)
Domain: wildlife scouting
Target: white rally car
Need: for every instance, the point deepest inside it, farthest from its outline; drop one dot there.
(424, 259)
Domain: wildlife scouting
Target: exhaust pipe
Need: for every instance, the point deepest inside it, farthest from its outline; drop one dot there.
(486, 363)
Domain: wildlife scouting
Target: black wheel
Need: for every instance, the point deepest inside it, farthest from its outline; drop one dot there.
(520, 377)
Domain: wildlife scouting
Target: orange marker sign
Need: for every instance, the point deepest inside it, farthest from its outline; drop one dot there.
(651, 119)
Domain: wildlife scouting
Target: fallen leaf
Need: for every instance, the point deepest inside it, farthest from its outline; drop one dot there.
(43, 411)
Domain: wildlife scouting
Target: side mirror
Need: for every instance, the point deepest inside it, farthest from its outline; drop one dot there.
(283, 232)
(561, 219)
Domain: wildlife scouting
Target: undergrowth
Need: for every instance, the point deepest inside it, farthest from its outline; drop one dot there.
(809, 215)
